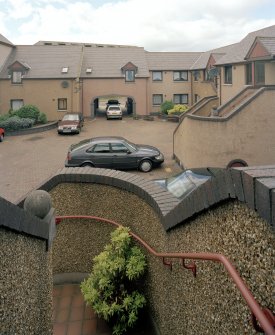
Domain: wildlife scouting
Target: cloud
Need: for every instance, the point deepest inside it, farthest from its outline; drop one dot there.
(176, 25)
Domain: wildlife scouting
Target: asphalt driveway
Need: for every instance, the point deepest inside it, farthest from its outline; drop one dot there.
(28, 160)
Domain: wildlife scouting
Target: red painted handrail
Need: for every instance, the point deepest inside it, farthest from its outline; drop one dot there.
(265, 317)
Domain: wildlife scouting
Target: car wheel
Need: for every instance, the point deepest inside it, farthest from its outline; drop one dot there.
(145, 165)
(1, 138)
(87, 164)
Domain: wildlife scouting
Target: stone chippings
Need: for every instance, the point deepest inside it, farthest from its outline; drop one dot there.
(26, 274)
(179, 303)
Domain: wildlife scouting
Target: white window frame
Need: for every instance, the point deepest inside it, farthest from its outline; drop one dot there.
(16, 104)
(157, 75)
(180, 99)
(180, 75)
(155, 98)
(16, 77)
(130, 75)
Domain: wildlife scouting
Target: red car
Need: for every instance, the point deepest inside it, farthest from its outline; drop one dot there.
(2, 134)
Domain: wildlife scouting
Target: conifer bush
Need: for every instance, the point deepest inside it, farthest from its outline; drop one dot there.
(111, 288)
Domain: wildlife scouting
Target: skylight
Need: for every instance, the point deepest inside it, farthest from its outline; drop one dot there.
(88, 70)
(65, 69)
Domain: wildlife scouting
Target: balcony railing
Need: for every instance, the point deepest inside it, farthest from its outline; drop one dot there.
(263, 319)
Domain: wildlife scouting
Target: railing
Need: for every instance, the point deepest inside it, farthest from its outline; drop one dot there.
(263, 320)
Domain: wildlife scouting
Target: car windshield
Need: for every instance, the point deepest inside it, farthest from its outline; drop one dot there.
(185, 182)
(131, 145)
(70, 117)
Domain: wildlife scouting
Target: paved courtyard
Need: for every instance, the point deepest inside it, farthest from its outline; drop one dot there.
(28, 160)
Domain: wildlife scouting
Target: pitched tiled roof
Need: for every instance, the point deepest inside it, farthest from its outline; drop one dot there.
(171, 60)
(237, 52)
(269, 44)
(46, 61)
(202, 61)
(4, 40)
(106, 62)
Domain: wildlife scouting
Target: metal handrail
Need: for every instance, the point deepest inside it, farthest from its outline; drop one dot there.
(265, 317)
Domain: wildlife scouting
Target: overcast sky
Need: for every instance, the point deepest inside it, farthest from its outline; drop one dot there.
(156, 25)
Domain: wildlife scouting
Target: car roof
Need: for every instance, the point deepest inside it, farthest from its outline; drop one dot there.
(107, 139)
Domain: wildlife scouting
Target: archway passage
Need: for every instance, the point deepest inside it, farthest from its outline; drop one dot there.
(102, 102)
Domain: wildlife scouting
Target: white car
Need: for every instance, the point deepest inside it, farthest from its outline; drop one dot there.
(114, 112)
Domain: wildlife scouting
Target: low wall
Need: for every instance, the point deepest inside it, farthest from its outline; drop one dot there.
(245, 134)
(33, 130)
(180, 304)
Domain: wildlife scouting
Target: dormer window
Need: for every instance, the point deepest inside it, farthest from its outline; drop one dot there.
(16, 77)
(17, 70)
(129, 70)
(129, 75)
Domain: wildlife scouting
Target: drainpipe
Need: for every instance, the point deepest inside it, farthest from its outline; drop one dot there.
(253, 73)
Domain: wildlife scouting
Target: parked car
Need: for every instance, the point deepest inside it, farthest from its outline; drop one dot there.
(71, 123)
(2, 134)
(112, 102)
(114, 112)
(184, 183)
(113, 153)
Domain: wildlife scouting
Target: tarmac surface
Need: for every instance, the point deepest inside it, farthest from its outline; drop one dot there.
(26, 161)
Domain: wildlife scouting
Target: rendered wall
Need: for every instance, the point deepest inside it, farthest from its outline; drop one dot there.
(180, 304)
(227, 91)
(26, 294)
(168, 87)
(42, 93)
(248, 135)
(94, 88)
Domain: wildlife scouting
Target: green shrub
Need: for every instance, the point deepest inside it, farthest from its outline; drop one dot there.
(16, 123)
(29, 112)
(110, 288)
(166, 105)
(4, 117)
(177, 110)
(42, 118)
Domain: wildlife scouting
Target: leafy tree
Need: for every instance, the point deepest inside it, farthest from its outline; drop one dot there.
(166, 105)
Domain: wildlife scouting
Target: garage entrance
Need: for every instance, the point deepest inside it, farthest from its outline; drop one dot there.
(99, 105)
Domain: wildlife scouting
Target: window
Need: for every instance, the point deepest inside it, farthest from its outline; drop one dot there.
(196, 75)
(180, 99)
(248, 74)
(16, 104)
(180, 75)
(157, 99)
(65, 69)
(206, 75)
(16, 77)
(119, 148)
(259, 72)
(197, 97)
(228, 74)
(129, 75)
(102, 148)
(157, 75)
(62, 104)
